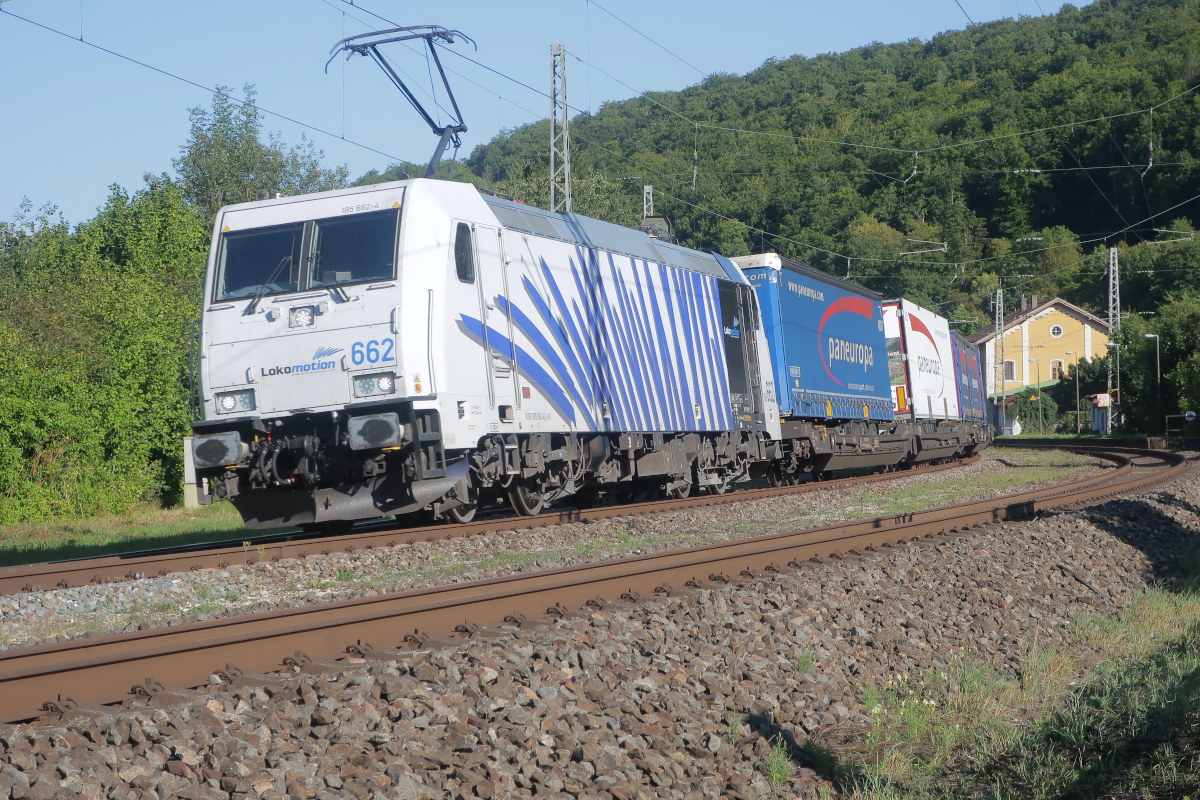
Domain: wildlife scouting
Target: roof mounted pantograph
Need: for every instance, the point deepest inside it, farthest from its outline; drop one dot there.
(367, 44)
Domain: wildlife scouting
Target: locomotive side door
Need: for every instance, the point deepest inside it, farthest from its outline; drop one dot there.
(745, 391)
(749, 305)
(493, 285)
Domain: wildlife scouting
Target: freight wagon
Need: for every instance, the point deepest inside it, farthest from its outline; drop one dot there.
(927, 367)
(829, 353)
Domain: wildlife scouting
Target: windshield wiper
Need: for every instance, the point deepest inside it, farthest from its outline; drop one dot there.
(265, 286)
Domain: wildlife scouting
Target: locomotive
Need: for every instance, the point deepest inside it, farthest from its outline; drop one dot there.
(420, 347)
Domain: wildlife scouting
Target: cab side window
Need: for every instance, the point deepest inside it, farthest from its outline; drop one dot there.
(464, 254)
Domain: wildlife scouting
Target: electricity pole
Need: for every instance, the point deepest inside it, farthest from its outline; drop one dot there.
(1158, 418)
(1073, 353)
(560, 140)
(999, 348)
(1114, 325)
(1039, 380)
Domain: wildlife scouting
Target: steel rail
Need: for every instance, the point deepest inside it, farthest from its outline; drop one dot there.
(99, 671)
(164, 561)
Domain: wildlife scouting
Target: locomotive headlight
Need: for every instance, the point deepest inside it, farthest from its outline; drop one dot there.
(233, 402)
(301, 317)
(376, 383)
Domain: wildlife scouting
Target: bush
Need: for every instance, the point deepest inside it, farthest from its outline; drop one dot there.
(94, 334)
(1024, 406)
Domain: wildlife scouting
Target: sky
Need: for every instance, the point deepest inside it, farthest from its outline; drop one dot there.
(78, 119)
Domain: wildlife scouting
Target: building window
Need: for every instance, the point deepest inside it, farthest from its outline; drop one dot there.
(1056, 331)
(1057, 370)
(1010, 370)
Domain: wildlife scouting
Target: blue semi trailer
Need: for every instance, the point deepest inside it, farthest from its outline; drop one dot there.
(830, 367)
(826, 338)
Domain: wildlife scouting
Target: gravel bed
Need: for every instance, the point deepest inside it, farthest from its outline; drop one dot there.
(677, 698)
(66, 614)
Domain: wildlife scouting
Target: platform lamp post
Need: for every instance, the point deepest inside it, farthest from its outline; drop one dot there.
(1039, 380)
(1073, 353)
(1157, 381)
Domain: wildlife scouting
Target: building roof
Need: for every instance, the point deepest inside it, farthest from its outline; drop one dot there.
(1015, 318)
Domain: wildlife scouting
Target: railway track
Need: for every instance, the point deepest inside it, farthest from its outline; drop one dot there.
(298, 544)
(53, 679)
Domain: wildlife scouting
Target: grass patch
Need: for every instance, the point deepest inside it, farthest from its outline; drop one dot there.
(733, 729)
(142, 528)
(148, 527)
(1125, 730)
(779, 767)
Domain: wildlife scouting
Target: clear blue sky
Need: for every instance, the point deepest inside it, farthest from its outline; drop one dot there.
(78, 119)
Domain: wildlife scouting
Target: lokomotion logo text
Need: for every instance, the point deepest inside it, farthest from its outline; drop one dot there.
(318, 364)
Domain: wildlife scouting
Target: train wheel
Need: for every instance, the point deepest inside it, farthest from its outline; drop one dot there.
(462, 513)
(775, 477)
(791, 478)
(465, 512)
(682, 492)
(718, 488)
(526, 500)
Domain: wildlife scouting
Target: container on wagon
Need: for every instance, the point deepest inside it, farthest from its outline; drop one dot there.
(826, 341)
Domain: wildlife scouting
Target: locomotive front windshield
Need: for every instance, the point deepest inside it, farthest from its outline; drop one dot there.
(354, 249)
(263, 259)
(283, 259)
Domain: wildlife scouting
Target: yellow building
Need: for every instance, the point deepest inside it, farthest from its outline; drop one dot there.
(1040, 342)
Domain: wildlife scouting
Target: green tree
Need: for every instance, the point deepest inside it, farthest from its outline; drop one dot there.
(225, 159)
(1177, 323)
(1025, 406)
(94, 327)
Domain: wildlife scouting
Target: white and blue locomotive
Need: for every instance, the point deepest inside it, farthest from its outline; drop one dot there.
(417, 346)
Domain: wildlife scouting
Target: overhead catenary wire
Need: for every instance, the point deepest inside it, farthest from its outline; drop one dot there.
(703, 74)
(908, 262)
(937, 263)
(819, 140)
(697, 124)
(189, 82)
(965, 14)
(936, 148)
(1128, 226)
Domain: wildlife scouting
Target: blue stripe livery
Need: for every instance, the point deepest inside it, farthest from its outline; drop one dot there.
(636, 346)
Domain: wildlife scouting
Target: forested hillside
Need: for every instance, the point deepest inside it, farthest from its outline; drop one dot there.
(845, 183)
(1024, 146)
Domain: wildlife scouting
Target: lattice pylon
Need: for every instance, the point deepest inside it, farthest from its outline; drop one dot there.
(560, 139)
(998, 349)
(1114, 325)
